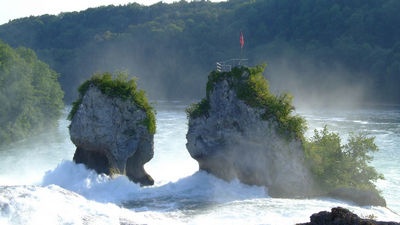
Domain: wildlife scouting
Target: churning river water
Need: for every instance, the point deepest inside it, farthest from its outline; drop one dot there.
(39, 183)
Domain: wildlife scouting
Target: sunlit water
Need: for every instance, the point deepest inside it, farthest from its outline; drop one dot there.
(39, 184)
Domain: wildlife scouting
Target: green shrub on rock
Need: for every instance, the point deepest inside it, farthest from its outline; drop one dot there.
(122, 87)
(336, 165)
(251, 87)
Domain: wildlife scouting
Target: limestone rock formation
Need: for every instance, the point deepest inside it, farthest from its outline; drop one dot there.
(111, 133)
(231, 139)
(342, 216)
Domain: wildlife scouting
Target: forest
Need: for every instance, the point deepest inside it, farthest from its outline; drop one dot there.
(30, 95)
(319, 50)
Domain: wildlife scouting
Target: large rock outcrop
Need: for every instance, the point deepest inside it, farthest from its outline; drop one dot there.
(111, 132)
(231, 139)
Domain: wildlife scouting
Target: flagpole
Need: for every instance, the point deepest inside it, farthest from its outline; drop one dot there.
(241, 41)
(241, 52)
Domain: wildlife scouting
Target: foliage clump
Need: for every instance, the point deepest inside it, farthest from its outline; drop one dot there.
(30, 94)
(121, 87)
(198, 109)
(335, 165)
(251, 87)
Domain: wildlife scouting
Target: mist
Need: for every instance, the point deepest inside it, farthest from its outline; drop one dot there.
(316, 86)
(165, 74)
(162, 71)
(25, 161)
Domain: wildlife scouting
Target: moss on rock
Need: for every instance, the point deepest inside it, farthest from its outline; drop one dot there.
(121, 87)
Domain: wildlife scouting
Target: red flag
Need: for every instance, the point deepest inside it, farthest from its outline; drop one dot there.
(241, 40)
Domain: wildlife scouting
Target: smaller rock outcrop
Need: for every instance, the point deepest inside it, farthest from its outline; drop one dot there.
(342, 216)
(236, 133)
(112, 126)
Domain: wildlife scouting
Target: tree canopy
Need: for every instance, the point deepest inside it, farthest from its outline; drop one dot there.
(336, 165)
(30, 95)
(165, 43)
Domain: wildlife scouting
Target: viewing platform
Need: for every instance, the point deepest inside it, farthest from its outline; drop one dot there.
(226, 66)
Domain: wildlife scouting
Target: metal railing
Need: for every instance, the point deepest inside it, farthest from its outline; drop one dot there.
(226, 66)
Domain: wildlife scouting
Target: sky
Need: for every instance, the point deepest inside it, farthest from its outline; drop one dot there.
(13, 9)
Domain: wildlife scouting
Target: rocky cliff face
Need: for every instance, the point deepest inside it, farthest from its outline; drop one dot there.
(232, 140)
(111, 136)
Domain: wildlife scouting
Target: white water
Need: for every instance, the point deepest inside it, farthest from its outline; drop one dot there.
(39, 184)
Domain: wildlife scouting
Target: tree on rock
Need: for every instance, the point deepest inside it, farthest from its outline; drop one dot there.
(343, 170)
(113, 126)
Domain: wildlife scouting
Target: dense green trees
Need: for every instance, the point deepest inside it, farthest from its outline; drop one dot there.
(325, 42)
(30, 95)
(336, 165)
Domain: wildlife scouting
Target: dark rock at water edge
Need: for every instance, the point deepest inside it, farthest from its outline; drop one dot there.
(232, 140)
(111, 136)
(341, 216)
(92, 159)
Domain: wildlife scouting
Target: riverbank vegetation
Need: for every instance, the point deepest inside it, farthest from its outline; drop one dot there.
(31, 98)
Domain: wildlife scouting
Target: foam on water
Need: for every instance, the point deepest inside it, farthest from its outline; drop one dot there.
(119, 190)
(54, 205)
(197, 199)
